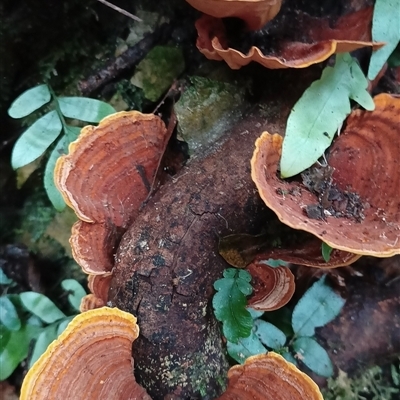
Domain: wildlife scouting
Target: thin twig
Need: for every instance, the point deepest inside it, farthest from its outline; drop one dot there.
(120, 10)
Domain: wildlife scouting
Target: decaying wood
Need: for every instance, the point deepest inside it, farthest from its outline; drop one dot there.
(168, 260)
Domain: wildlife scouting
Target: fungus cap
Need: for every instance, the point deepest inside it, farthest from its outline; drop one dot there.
(273, 287)
(269, 377)
(256, 13)
(91, 359)
(364, 158)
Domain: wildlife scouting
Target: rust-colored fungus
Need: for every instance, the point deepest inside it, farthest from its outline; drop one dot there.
(273, 287)
(365, 162)
(256, 13)
(318, 41)
(90, 360)
(269, 377)
(240, 250)
(98, 297)
(105, 178)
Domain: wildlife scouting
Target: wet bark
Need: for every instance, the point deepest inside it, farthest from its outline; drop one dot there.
(168, 260)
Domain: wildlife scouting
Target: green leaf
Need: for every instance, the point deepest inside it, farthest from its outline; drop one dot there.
(42, 342)
(385, 28)
(254, 313)
(321, 110)
(60, 148)
(41, 306)
(394, 59)
(314, 356)
(5, 335)
(318, 306)
(63, 325)
(326, 251)
(36, 139)
(269, 334)
(230, 304)
(29, 101)
(8, 314)
(245, 347)
(84, 108)
(4, 280)
(288, 357)
(76, 292)
(16, 350)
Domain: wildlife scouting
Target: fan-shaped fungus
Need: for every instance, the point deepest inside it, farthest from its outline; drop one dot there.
(255, 13)
(269, 377)
(364, 159)
(90, 360)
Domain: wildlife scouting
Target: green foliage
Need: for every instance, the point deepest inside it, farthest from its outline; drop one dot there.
(44, 131)
(318, 306)
(385, 28)
(372, 384)
(319, 113)
(30, 316)
(326, 251)
(230, 304)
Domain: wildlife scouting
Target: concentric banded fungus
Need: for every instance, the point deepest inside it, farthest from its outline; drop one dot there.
(105, 178)
(98, 297)
(321, 42)
(365, 161)
(269, 377)
(273, 287)
(256, 13)
(90, 360)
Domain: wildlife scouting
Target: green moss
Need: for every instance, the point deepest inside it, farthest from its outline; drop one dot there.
(157, 71)
(371, 385)
(206, 108)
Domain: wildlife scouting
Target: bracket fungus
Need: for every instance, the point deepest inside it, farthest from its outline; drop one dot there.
(90, 360)
(255, 13)
(105, 178)
(269, 377)
(273, 287)
(365, 162)
(316, 40)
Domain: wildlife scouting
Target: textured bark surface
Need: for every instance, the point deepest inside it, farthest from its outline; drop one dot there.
(168, 260)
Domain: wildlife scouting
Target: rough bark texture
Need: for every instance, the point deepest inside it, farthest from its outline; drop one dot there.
(168, 260)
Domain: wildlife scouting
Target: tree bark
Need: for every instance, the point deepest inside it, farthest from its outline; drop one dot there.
(168, 261)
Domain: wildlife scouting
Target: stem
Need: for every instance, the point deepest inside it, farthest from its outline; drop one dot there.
(66, 132)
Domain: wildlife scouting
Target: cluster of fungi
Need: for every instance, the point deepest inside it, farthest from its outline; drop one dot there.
(92, 359)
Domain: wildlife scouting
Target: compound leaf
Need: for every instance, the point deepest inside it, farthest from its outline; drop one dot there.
(60, 148)
(75, 292)
(269, 334)
(8, 314)
(29, 101)
(320, 111)
(230, 304)
(42, 342)
(245, 347)
(385, 28)
(84, 108)
(41, 306)
(314, 356)
(318, 306)
(16, 349)
(36, 139)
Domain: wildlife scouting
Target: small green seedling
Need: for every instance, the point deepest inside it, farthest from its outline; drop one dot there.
(318, 306)
(28, 317)
(51, 127)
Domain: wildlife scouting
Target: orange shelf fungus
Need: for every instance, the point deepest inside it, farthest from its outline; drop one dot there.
(256, 13)
(269, 377)
(365, 161)
(273, 287)
(90, 360)
(317, 41)
(105, 178)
